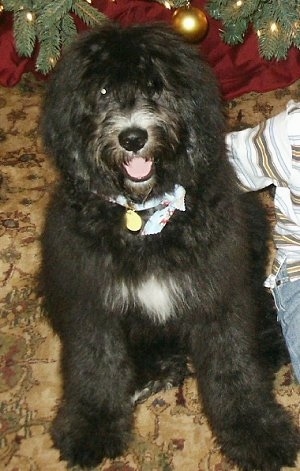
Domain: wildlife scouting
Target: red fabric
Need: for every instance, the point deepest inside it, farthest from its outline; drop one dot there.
(239, 69)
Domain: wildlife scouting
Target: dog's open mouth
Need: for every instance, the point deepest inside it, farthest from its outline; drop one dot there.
(139, 169)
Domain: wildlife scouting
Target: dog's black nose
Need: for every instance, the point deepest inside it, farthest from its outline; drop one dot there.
(133, 139)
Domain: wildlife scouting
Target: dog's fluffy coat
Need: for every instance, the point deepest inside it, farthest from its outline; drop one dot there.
(134, 112)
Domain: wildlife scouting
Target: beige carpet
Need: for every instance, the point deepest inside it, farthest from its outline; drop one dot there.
(171, 432)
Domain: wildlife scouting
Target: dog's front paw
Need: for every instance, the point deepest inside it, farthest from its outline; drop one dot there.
(86, 441)
(267, 444)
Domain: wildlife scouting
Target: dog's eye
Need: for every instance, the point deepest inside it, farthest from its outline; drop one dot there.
(103, 91)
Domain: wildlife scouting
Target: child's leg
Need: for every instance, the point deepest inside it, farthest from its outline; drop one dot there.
(287, 298)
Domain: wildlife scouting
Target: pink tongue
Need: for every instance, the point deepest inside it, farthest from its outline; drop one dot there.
(138, 167)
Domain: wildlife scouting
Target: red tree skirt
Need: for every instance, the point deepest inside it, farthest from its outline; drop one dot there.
(239, 69)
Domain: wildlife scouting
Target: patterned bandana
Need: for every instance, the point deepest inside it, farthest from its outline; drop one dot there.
(158, 220)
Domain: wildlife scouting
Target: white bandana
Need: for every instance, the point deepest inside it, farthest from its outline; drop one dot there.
(159, 219)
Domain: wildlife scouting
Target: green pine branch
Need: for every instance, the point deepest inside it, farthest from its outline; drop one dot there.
(50, 48)
(68, 30)
(24, 32)
(87, 13)
(276, 23)
(48, 24)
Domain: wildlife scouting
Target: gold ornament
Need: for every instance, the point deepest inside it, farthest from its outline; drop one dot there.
(133, 221)
(190, 22)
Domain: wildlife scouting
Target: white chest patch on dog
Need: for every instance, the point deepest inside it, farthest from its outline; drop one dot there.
(158, 297)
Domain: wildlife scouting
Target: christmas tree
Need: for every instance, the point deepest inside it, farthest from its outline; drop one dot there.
(51, 24)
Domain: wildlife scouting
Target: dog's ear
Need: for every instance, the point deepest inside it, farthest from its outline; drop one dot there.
(202, 108)
(65, 112)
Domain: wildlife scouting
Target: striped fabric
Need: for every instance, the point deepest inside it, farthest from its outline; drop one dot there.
(270, 154)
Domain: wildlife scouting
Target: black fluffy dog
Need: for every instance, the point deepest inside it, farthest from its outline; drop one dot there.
(148, 257)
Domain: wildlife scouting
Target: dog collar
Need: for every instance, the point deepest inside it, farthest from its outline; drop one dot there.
(168, 203)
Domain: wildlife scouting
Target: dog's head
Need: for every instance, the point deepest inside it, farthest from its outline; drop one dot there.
(133, 111)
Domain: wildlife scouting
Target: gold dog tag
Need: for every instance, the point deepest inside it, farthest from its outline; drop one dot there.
(133, 221)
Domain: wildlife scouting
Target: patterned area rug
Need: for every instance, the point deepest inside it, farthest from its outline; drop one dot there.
(171, 432)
